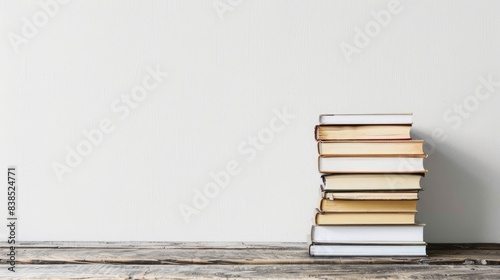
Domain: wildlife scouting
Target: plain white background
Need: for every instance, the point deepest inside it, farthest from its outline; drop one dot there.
(230, 66)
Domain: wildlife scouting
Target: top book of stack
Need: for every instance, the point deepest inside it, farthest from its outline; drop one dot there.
(365, 119)
(364, 127)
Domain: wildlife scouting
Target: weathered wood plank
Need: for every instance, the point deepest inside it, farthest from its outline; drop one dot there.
(153, 260)
(203, 254)
(163, 245)
(315, 271)
(464, 246)
(220, 245)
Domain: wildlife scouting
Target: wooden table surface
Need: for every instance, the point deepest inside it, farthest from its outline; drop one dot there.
(160, 260)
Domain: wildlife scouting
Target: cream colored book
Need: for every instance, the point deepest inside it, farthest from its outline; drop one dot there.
(338, 205)
(410, 195)
(354, 218)
(396, 147)
(363, 132)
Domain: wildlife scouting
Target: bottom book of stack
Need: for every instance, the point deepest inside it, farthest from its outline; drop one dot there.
(367, 240)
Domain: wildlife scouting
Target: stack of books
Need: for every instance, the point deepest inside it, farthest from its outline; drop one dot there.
(371, 170)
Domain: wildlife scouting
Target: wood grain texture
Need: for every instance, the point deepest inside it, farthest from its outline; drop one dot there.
(153, 260)
(316, 271)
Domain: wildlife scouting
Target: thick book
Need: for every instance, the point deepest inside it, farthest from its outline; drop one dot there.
(338, 205)
(332, 250)
(370, 182)
(371, 164)
(337, 119)
(367, 218)
(395, 147)
(362, 132)
(374, 195)
(367, 233)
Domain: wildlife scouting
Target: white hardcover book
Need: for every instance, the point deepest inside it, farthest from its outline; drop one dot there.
(381, 250)
(368, 234)
(355, 119)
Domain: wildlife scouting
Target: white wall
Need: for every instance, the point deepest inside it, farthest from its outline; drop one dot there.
(228, 73)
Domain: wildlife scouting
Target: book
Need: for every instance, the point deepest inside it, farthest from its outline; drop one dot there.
(329, 250)
(371, 171)
(371, 164)
(367, 218)
(363, 132)
(336, 119)
(368, 182)
(409, 195)
(393, 147)
(367, 233)
(368, 205)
